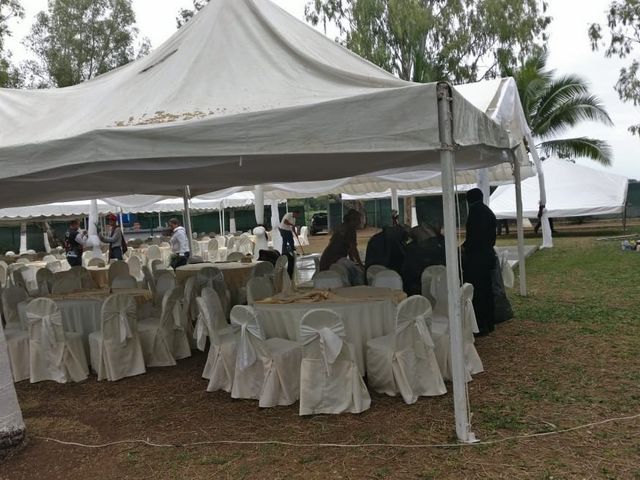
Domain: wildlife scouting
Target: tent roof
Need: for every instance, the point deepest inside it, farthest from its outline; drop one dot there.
(243, 94)
(572, 191)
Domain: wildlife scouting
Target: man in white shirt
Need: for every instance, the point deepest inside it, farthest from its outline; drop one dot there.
(179, 244)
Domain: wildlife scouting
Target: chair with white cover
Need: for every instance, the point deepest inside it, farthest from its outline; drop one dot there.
(115, 350)
(235, 256)
(149, 282)
(327, 280)
(434, 288)
(135, 267)
(3, 273)
(55, 267)
(267, 370)
(66, 282)
(23, 260)
(222, 241)
(17, 279)
(117, 269)
(96, 262)
(86, 280)
(212, 250)
(44, 277)
(404, 361)
(221, 359)
(281, 280)
(11, 297)
(330, 381)
(163, 339)
(214, 278)
(258, 288)
(122, 282)
(304, 235)
(165, 281)
(343, 271)
(371, 272)
(18, 351)
(54, 354)
(154, 253)
(388, 279)
(263, 269)
(442, 343)
(196, 251)
(231, 243)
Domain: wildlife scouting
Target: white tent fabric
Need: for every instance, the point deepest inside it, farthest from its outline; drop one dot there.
(405, 193)
(244, 93)
(572, 191)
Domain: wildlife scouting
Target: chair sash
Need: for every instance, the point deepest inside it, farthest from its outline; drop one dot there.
(200, 332)
(247, 355)
(330, 341)
(50, 327)
(470, 316)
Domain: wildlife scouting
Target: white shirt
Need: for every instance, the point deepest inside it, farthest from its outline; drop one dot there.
(289, 218)
(179, 241)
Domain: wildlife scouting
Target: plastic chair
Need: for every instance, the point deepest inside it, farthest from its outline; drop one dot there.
(54, 354)
(221, 359)
(258, 288)
(404, 361)
(124, 282)
(330, 381)
(267, 370)
(116, 351)
(327, 280)
(388, 279)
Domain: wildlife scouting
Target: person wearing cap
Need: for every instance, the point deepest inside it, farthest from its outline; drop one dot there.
(180, 251)
(114, 239)
(74, 243)
(287, 227)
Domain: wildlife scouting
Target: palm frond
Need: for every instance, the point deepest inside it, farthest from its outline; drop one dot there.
(581, 147)
(570, 113)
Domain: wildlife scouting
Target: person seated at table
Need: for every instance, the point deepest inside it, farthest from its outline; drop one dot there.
(180, 251)
(344, 245)
(387, 248)
(115, 239)
(74, 243)
(425, 249)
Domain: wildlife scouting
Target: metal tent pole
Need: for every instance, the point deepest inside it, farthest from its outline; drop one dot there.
(23, 238)
(258, 204)
(395, 204)
(522, 270)
(447, 166)
(187, 215)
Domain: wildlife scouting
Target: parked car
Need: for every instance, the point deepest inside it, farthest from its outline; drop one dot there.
(319, 223)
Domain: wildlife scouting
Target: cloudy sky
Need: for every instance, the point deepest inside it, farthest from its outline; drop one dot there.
(569, 48)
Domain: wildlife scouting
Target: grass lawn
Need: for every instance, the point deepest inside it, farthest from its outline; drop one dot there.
(570, 357)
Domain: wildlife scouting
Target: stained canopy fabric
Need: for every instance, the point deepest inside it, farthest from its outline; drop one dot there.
(244, 94)
(572, 191)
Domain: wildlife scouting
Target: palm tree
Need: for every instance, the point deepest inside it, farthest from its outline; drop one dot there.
(553, 105)
(12, 429)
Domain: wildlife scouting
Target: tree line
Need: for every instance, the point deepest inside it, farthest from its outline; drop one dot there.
(418, 40)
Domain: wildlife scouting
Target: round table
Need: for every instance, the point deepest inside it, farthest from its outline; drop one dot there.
(236, 274)
(367, 312)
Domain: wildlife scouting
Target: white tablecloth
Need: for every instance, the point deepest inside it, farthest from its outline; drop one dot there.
(363, 320)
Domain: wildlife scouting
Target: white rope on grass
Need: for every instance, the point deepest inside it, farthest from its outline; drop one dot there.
(340, 445)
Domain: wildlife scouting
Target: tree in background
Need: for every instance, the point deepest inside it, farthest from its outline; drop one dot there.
(431, 40)
(623, 22)
(185, 14)
(553, 104)
(9, 75)
(76, 40)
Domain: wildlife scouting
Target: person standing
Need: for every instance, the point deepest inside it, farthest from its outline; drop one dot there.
(115, 239)
(74, 243)
(479, 258)
(180, 251)
(286, 227)
(344, 244)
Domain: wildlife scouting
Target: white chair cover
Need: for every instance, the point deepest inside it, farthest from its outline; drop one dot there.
(244, 245)
(222, 241)
(135, 267)
(66, 282)
(117, 269)
(508, 278)
(327, 280)
(115, 350)
(11, 297)
(165, 282)
(281, 280)
(3, 274)
(267, 370)
(343, 272)
(329, 378)
(371, 272)
(44, 277)
(235, 256)
(258, 288)
(154, 253)
(96, 262)
(388, 279)
(434, 288)
(124, 282)
(55, 267)
(404, 361)
(18, 350)
(148, 280)
(263, 269)
(54, 354)
(212, 250)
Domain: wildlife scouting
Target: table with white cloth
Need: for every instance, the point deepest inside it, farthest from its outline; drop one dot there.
(367, 312)
(236, 274)
(99, 275)
(81, 310)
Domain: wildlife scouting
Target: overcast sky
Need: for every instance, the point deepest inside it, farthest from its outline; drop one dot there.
(569, 49)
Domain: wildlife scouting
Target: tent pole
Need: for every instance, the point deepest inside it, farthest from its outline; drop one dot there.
(520, 229)
(482, 181)
(47, 245)
(121, 222)
(447, 160)
(414, 213)
(220, 219)
(187, 215)
(23, 238)
(159, 221)
(394, 200)
(547, 239)
(94, 221)
(258, 204)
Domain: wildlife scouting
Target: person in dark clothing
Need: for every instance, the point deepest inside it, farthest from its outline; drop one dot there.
(387, 248)
(503, 224)
(425, 249)
(74, 242)
(343, 243)
(479, 258)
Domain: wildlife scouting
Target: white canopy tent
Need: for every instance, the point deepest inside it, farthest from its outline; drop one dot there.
(572, 191)
(247, 94)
